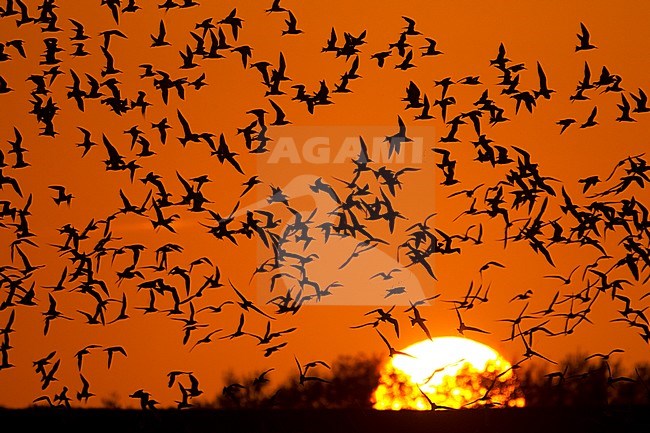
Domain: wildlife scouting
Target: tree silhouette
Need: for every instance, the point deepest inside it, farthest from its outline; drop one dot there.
(352, 382)
(581, 382)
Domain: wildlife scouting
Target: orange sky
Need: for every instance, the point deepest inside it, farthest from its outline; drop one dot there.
(467, 33)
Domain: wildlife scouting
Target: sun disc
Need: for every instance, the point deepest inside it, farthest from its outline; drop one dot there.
(452, 371)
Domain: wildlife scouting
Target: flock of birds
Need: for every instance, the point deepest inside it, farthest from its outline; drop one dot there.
(531, 208)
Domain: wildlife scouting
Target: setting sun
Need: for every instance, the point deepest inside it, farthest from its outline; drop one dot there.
(453, 372)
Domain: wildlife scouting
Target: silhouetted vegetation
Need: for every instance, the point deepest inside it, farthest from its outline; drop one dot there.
(351, 382)
(580, 382)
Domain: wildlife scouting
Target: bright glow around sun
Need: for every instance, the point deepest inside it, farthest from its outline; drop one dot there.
(453, 372)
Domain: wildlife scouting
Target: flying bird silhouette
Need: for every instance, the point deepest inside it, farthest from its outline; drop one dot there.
(584, 39)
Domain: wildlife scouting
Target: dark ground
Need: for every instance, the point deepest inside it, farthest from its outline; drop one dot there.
(527, 420)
